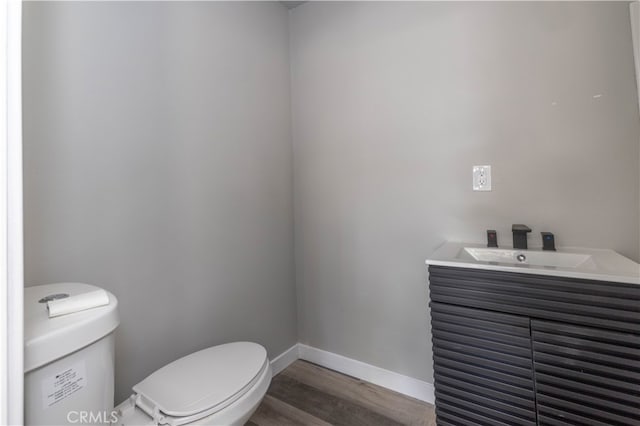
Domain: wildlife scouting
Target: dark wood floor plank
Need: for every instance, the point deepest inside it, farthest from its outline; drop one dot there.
(307, 394)
(399, 407)
(329, 408)
(273, 412)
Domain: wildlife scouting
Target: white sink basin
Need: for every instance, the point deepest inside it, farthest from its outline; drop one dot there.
(585, 263)
(526, 257)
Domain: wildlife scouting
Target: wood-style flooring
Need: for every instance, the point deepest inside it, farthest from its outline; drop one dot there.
(307, 394)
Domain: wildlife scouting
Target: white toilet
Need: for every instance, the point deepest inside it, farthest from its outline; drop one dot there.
(221, 385)
(69, 373)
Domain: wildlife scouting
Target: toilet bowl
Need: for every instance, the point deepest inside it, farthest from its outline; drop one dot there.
(221, 385)
(69, 372)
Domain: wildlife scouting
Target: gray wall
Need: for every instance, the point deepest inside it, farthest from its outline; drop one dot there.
(158, 160)
(158, 166)
(394, 102)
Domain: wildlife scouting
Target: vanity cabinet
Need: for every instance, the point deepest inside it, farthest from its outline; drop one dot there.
(524, 349)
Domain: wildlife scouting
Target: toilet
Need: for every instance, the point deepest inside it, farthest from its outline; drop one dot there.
(221, 385)
(69, 372)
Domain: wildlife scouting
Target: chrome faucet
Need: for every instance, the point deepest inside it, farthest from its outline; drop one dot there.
(520, 236)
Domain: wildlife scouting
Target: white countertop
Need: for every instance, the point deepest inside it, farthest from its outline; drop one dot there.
(605, 265)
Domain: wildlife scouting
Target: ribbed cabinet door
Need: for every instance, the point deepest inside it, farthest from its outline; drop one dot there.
(482, 366)
(586, 376)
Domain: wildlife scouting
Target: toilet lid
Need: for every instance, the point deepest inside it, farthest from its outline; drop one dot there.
(204, 380)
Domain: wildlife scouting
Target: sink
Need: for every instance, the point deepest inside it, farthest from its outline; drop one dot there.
(549, 259)
(571, 262)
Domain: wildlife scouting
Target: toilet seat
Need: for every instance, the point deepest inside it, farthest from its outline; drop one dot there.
(200, 384)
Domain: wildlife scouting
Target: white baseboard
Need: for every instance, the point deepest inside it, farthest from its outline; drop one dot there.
(406, 385)
(285, 359)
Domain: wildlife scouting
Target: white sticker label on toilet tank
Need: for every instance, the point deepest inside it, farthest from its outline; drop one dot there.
(64, 384)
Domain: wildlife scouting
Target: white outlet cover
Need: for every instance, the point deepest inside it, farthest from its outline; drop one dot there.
(482, 178)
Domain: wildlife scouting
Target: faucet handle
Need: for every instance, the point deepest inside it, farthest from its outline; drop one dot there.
(492, 238)
(519, 228)
(548, 241)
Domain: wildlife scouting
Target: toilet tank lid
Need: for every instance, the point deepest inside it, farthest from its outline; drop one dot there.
(47, 339)
(204, 380)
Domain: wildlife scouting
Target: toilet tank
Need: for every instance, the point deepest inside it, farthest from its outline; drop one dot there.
(68, 360)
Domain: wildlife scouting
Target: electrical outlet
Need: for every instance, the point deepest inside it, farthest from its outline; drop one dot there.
(482, 178)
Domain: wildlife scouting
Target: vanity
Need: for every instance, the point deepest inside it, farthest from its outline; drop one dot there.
(549, 339)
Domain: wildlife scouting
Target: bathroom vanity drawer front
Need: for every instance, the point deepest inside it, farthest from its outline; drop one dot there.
(586, 375)
(614, 306)
(483, 369)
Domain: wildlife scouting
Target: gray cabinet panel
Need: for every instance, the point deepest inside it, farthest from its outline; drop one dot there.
(613, 306)
(483, 367)
(592, 378)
